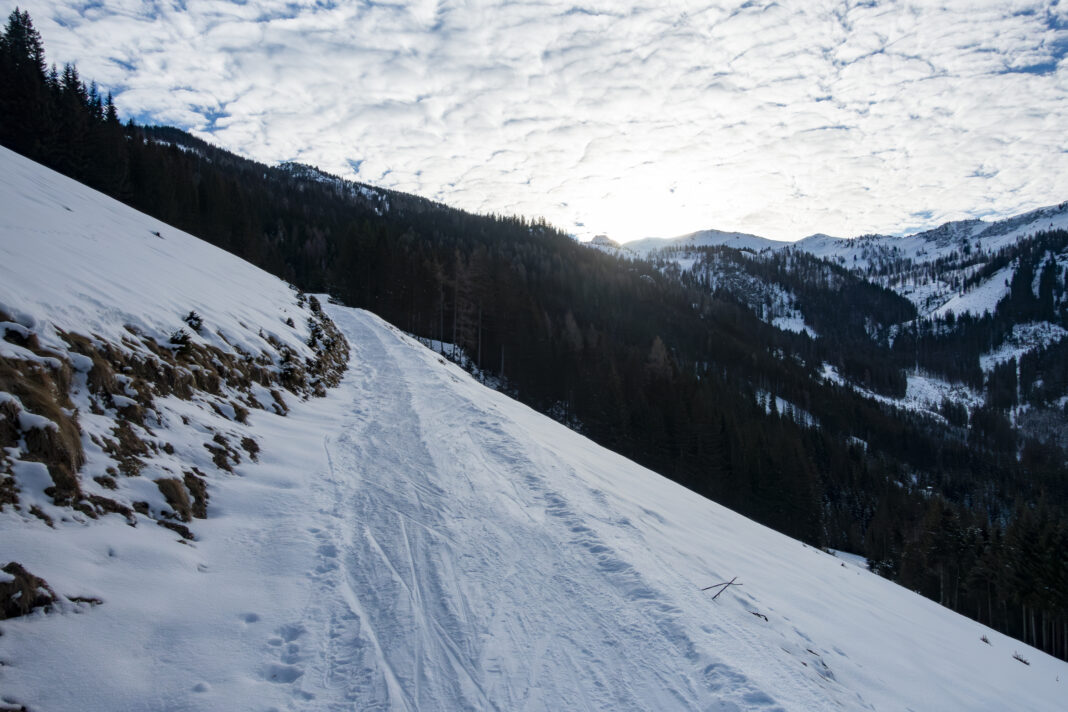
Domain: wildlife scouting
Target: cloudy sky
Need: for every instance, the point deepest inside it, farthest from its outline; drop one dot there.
(776, 118)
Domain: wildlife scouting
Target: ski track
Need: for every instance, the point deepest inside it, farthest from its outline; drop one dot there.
(401, 617)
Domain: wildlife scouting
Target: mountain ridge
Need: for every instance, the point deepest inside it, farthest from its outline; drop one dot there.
(945, 235)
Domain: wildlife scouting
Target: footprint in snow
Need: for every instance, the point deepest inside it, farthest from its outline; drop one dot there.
(281, 673)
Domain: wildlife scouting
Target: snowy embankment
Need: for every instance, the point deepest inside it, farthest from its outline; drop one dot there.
(414, 541)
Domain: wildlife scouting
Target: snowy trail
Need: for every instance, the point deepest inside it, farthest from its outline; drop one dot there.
(511, 601)
(382, 552)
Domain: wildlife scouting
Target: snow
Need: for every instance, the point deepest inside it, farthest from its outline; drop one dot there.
(1024, 339)
(771, 302)
(851, 559)
(925, 392)
(982, 298)
(795, 323)
(787, 409)
(149, 282)
(435, 545)
(417, 541)
(32, 421)
(830, 374)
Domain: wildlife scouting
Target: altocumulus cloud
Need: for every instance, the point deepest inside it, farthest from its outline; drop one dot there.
(777, 118)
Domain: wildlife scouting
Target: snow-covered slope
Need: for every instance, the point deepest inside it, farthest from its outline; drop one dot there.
(416, 541)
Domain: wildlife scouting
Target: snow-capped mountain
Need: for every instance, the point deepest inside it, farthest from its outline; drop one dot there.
(903, 264)
(194, 530)
(947, 240)
(867, 251)
(968, 283)
(703, 238)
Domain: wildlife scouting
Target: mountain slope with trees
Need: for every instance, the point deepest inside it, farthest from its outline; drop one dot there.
(686, 380)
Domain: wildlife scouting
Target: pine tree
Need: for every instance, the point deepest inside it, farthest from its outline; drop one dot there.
(24, 113)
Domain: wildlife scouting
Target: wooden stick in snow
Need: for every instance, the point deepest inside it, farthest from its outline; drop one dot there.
(725, 585)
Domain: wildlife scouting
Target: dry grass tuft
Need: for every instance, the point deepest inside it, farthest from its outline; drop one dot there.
(222, 453)
(182, 529)
(9, 491)
(44, 391)
(26, 592)
(107, 482)
(240, 412)
(104, 505)
(127, 449)
(177, 497)
(280, 406)
(40, 514)
(9, 424)
(194, 482)
(9, 437)
(251, 447)
(17, 336)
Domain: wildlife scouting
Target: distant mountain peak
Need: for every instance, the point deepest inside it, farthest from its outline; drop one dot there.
(604, 241)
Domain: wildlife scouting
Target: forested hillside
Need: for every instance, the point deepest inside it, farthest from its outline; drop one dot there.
(688, 380)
